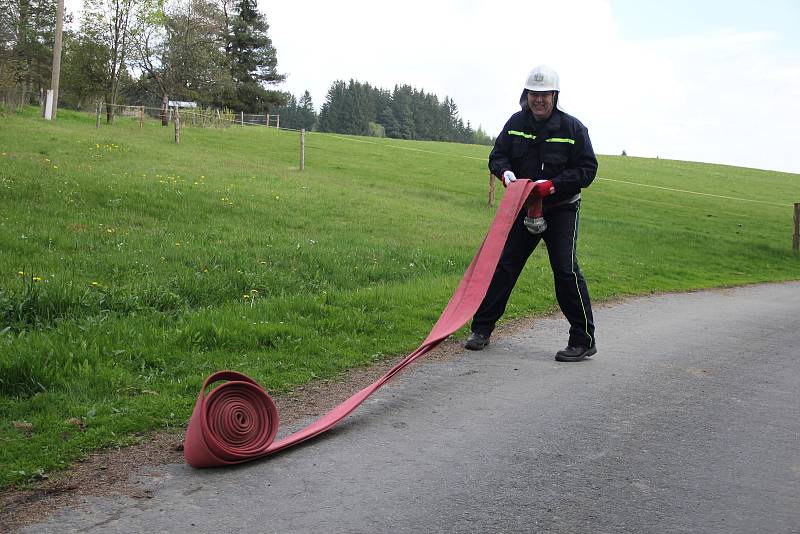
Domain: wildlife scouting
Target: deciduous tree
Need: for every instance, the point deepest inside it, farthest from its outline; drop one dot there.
(108, 23)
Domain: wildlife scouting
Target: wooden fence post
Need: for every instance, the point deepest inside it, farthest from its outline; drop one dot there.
(141, 116)
(796, 238)
(242, 118)
(302, 148)
(278, 121)
(177, 126)
(492, 184)
(97, 115)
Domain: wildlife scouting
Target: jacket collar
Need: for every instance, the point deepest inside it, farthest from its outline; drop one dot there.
(552, 124)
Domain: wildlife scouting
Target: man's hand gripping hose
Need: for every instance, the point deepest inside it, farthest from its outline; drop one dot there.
(534, 221)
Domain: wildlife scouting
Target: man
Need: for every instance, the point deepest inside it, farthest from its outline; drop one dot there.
(544, 144)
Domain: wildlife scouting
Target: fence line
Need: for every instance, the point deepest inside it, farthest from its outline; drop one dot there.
(433, 152)
(210, 116)
(697, 193)
(400, 147)
(598, 178)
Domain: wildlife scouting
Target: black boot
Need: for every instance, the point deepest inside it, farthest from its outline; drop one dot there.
(476, 341)
(575, 354)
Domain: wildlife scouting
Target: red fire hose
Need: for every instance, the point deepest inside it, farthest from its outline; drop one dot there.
(237, 421)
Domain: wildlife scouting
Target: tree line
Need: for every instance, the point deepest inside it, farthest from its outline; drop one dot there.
(217, 52)
(404, 113)
(214, 52)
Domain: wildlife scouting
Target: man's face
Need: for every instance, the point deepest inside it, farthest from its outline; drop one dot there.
(541, 104)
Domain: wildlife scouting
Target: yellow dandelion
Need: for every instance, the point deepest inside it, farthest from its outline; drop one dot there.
(21, 273)
(95, 284)
(246, 296)
(37, 279)
(254, 291)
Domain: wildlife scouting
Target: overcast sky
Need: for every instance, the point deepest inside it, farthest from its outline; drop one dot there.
(701, 80)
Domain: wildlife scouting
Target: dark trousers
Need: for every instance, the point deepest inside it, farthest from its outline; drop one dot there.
(561, 238)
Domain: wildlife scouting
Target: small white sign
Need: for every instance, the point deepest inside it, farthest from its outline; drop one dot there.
(48, 106)
(173, 103)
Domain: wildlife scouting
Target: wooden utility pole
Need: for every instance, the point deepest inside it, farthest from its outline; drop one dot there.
(56, 59)
(796, 239)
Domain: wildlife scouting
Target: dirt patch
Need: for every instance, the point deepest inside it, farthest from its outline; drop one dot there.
(108, 472)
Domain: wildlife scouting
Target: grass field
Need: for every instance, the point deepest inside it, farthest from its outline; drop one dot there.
(131, 268)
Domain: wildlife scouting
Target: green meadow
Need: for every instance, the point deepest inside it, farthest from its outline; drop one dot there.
(132, 267)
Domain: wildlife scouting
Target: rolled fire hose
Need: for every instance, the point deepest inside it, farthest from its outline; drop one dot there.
(237, 421)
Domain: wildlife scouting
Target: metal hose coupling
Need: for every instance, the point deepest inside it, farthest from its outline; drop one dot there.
(534, 221)
(535, 225)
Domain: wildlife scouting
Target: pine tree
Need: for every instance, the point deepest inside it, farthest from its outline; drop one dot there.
(333, 115)
(307, 117)
(26, 44)
(362, 110)
(254, 61)
(298, 114)
(401, 105)
(385, 114)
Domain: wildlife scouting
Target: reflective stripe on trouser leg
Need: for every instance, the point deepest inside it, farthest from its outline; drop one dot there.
(571, 291)
(576, 272)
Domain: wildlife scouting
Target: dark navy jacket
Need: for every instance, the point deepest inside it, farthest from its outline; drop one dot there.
(558, 149)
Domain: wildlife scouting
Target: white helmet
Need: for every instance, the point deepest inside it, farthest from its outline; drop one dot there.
(542, 78)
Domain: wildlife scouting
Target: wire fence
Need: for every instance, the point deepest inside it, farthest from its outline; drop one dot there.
(189, 116)
(209, 117)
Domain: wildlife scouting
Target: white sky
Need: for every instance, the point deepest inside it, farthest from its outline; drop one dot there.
(700, 80)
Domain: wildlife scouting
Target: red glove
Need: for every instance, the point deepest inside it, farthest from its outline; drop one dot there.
(543, 188)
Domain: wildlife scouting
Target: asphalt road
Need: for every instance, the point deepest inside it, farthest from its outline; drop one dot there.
(687, 420)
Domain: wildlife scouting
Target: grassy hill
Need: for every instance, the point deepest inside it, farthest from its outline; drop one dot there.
(132, 267)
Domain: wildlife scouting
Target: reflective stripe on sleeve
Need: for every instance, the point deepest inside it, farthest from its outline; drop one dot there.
(521, 134)
(551, 140)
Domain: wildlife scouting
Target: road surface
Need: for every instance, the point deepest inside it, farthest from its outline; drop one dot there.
(687, 420)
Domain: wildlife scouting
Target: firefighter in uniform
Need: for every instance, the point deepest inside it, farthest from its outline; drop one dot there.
(544, 144)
